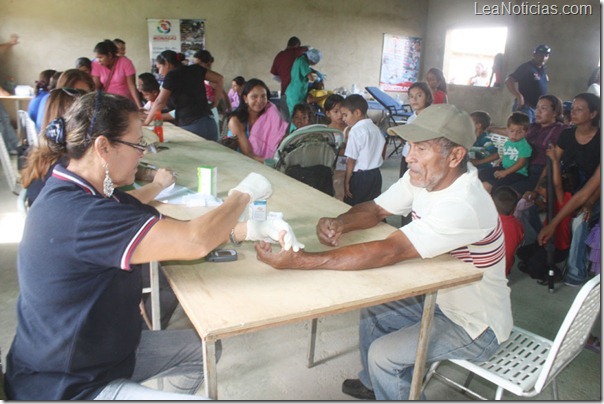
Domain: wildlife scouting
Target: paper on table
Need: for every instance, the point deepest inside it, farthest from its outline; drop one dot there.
(179, 195)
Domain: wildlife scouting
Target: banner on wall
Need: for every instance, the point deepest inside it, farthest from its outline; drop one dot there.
(400, 62)
(185, 36)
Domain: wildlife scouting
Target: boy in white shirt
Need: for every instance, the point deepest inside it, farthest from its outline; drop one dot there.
(363, 151)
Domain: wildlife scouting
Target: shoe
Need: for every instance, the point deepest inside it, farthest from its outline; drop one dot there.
(356, 389)
(573, 284)
(557, 279)
(594, 345)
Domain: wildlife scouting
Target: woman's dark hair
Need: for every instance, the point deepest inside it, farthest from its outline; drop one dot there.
(83, 62)
(242, 112)
(106, 47)
(204, 56)
(239, 80)
(440, 76)
(422, 85)
(171, 57)
(148, 82)
(331, 101)
(593, 103)
(93, 115)
(556, 105)
(44, 82)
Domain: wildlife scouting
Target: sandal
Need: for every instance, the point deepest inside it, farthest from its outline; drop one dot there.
(594, 345)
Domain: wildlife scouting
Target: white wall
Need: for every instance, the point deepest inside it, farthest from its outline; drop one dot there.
(242, 35)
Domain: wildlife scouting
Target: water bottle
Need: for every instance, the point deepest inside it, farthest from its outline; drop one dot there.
(158, 126)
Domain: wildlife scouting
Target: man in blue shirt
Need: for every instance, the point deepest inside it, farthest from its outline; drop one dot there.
(529, 82)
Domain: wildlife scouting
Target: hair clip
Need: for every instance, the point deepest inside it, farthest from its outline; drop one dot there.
(55, 131)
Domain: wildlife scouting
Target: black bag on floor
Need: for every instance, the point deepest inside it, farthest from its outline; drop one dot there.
(319, 177)
(534, 261)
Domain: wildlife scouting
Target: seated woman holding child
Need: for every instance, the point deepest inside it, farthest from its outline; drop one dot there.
(257, 123)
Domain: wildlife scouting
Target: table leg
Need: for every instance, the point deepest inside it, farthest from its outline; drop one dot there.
(17, 108)
(155, 306)
(209, 368)
(11, 176)
(311, 343)
(422, 346)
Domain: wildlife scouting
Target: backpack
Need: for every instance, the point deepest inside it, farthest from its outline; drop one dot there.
(534, 261)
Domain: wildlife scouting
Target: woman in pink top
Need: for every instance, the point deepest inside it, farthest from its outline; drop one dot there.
(114, 74)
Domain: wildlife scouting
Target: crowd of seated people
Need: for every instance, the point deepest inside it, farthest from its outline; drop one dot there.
(573, 149)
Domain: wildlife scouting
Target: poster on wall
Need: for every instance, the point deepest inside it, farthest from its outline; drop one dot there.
(400, 62)
(185, 36)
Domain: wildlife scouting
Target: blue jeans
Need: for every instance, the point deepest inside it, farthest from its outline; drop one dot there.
(204, 127)
(532, 224)
(577, 255)
(526, 109)
(8, 132)
(388, 341)
(174, 355)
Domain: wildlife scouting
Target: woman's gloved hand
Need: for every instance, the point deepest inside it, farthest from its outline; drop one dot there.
(256, 186)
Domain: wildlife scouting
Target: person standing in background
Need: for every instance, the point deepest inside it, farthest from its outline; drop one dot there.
(529, 82)
(184, 87)
(282, 67)
(113, 73)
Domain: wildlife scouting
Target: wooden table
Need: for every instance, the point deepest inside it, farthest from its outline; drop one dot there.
(232, 298)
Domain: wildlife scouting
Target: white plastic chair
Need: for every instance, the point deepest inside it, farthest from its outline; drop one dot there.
(526, 363)
(499, 142)
(30, 127)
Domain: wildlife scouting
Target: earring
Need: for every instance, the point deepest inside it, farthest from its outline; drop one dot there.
(107, 183)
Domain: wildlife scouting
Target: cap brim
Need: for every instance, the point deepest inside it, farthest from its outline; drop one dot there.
(413, 132)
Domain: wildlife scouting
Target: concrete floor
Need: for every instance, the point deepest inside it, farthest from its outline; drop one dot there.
(270, 365)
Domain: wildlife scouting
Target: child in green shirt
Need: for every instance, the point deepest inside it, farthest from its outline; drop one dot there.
(516, 154)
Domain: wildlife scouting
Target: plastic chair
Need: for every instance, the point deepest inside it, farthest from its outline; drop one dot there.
(526, 363)
(30, 127)
(499, 142)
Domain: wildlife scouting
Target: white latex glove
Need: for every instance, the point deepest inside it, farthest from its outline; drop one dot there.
(269, 230)
(256, 186)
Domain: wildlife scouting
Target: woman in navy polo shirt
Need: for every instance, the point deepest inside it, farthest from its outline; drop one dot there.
(78, 334)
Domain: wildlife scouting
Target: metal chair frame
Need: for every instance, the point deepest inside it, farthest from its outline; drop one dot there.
(397, 115)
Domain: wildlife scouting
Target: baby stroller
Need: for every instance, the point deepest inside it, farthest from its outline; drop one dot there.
(309, 154)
